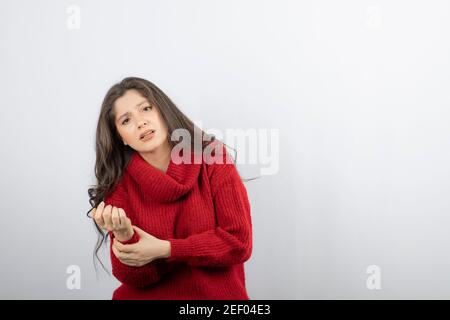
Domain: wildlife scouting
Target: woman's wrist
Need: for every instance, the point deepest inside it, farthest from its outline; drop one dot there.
(166, 249)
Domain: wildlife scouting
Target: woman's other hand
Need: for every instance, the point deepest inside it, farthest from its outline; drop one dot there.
(147, 249)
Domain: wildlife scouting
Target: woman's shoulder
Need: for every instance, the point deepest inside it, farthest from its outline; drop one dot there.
(219, 163)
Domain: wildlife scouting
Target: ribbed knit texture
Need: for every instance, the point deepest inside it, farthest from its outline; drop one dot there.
(203, 210)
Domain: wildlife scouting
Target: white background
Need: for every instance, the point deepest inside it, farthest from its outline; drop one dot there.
(358, 89)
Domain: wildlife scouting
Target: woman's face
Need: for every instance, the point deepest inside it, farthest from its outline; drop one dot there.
(134, 116)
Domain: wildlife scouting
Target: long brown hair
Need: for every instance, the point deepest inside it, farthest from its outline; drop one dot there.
(112, 156)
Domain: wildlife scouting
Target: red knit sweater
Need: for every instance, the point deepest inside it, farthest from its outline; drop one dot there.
(203, 210)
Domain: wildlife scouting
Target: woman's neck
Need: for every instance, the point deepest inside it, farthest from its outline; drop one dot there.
(159, 158)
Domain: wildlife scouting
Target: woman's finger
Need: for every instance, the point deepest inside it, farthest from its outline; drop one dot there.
(122, 217)
(127, 248)
(126, 224)
(131, 263)
(125, 256)
(115, 251)
(115, 218)
(98, 215)
(107, 217)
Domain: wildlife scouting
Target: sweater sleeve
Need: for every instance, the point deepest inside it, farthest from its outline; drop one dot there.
(230, 242)
(133, 276)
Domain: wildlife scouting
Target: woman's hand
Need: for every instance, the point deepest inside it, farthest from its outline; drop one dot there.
(147, 249)
(115, 220)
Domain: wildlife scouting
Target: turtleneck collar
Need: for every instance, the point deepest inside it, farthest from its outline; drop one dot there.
(178, 180)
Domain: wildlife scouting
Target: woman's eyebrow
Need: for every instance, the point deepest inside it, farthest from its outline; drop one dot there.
(128, 112)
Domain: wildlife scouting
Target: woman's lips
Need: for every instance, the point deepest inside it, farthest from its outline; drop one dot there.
(148, 136)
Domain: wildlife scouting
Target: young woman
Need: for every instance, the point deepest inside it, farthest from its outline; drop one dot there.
(178, 229)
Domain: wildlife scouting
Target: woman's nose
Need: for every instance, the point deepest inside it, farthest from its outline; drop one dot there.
(142, 123)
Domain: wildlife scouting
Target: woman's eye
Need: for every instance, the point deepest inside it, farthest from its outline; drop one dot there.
(148, 107)
(124, 121)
